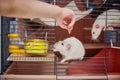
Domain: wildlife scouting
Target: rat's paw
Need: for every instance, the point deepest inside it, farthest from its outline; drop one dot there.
(81, 58)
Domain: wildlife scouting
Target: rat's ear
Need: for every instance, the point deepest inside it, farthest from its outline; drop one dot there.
(97, 26)
(68, 46)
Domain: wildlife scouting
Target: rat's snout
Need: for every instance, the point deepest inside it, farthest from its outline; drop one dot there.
(54, 48)
(93, 38)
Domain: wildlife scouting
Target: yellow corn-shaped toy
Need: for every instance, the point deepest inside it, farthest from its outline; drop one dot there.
(13, 35)
(36, 46)
(16, 51)
(14, 47)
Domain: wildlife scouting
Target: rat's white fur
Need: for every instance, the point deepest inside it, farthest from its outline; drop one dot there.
(108, 18)
(70, 48)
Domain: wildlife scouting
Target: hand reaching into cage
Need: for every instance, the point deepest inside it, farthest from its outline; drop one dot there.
(37, 9)
(66, 19)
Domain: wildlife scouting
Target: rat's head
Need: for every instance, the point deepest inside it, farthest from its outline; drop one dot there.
(61, 46)
(96, 30)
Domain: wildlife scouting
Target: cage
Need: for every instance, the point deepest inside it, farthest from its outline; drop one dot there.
(27, 44)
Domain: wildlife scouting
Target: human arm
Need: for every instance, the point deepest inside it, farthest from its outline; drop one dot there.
(36, 9)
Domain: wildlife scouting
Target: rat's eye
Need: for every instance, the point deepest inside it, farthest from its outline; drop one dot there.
(93, 32)
(62, 43)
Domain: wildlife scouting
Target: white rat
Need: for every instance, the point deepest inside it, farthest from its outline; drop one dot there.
(70, 48)
(108, 18)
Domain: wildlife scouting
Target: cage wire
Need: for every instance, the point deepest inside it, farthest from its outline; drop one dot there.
(31, 42)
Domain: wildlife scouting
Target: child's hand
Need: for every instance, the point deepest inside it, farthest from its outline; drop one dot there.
(66, 19)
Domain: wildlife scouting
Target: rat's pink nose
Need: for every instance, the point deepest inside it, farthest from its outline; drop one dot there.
(93, 38)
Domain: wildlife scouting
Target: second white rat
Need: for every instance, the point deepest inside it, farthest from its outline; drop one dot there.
(70, 48)
(110, 17)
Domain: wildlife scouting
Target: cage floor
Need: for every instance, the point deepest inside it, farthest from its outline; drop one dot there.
(48, 71)
(29, 57)
(44, 71)
(93, 68)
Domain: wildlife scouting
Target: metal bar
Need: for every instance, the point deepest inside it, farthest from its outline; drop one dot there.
(52, 77)
(82, 77)
(0, 48)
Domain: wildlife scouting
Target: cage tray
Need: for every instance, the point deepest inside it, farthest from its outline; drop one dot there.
(27, 57)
